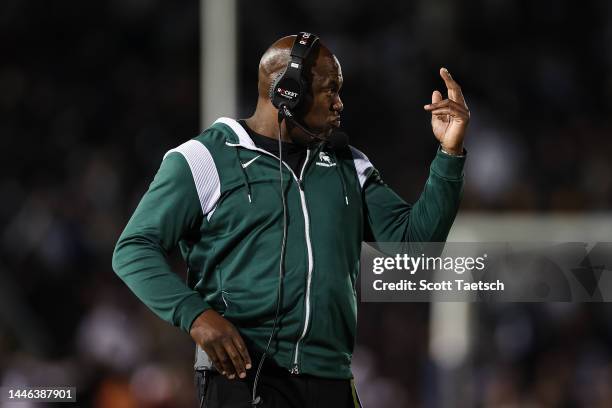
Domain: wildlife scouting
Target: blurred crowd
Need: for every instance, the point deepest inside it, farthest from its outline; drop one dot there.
(93, 93)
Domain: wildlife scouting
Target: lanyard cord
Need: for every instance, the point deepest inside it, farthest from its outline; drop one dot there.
(255, 399)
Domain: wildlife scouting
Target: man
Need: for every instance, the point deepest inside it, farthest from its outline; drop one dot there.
(273, 249)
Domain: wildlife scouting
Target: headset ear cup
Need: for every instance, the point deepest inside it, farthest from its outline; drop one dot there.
(287, 90)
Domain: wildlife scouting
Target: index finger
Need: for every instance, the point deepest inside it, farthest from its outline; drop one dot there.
(454, 90)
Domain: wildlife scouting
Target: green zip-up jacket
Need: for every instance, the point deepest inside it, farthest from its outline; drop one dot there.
(218, 198)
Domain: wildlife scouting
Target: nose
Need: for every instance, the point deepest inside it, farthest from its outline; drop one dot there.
(338, 106)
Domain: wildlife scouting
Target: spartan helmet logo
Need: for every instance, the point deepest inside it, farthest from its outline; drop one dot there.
(324, 158)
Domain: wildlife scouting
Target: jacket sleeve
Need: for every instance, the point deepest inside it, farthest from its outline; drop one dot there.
(165, 213)
(429, 219)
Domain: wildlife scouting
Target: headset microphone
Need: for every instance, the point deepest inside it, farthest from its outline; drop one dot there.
(336, 140)
(285, 113)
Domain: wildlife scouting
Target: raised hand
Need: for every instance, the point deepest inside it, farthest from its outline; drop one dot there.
(449, 117)
(222, 342)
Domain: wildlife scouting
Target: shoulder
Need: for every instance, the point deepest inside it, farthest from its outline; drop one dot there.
(358, 155)
(207, 145)
(356, 160)
(363, 166)
(361, 161)
(196, 160)
(350, 153)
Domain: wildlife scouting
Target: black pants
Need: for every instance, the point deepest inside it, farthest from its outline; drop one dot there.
(276, 389)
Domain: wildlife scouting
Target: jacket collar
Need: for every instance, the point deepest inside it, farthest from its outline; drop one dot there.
(242, 137)
(239, 136)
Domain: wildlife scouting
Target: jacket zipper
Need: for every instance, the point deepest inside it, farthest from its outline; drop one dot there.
(295, 369)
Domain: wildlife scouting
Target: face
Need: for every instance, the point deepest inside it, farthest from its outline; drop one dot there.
(323, 107)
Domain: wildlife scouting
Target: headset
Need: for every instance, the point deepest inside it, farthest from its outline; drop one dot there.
(288, 91)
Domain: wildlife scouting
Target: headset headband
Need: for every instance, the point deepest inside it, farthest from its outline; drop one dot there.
(304, 42)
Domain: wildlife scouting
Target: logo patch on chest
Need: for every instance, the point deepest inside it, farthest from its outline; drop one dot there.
(325, 160)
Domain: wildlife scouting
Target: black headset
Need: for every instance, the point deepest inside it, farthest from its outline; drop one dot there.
(290, 87)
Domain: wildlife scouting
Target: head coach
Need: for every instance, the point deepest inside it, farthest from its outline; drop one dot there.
(269, 214)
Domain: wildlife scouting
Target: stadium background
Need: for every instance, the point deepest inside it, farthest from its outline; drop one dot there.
(93, 93)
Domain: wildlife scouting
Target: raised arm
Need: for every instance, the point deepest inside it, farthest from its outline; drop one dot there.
(388, 216)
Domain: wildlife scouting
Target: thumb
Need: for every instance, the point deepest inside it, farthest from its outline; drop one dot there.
(436, 96)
